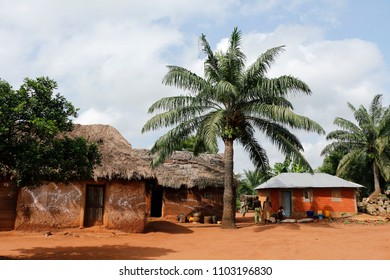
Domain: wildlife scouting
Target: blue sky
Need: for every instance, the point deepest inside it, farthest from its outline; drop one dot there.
(109, 57)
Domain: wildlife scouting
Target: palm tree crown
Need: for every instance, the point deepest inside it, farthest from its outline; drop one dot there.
(230, 103)
(368, 139)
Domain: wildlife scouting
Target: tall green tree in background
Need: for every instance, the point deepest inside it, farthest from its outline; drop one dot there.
(250, 180)
(368, 140)
(33, 142)
(232, 103)
(288, 165)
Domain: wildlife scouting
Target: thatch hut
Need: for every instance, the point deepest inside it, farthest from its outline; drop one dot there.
(187, 184)
(114, 198)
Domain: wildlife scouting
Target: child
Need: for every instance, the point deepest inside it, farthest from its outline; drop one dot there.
(280, 215)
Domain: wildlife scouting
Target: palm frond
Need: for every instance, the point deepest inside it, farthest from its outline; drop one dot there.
(185, 79)
(257, 154)
(171, 103)
(211, 68)
(347, 137)
(347, 160)
(376, 109)
(335, 146)
(286, 116)
(283, 85)
(347, 125)
(171, 140)
(276, 133)
(262, 64)
(210, 129)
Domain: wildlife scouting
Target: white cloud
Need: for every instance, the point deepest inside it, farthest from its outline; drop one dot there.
(339, 71)
(109, 57)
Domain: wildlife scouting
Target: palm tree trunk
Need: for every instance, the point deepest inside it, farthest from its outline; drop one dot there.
(377, 187)
(229, 203)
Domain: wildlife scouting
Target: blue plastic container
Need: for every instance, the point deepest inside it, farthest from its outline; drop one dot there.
(310, 214)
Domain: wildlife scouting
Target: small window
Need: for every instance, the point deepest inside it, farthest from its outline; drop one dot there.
(336, 195)
(307, 196)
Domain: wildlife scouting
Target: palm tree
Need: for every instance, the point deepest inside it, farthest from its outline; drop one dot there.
(369, 139)
(251, 180)
(230, 103)
(288, 166)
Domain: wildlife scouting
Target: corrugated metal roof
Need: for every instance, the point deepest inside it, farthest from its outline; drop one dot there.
(307, 180)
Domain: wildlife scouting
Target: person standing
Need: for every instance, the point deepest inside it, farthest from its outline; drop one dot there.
(243, 206)
(257, 206)
(267, 210)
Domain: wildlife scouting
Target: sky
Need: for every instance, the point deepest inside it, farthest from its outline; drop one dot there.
(109, 57)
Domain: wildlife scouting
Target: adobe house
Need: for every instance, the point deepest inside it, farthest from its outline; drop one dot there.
(318, 192)
(114, 198)
(8, 197)
(186, 184)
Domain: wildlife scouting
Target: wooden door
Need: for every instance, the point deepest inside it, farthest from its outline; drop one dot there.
(94, 205)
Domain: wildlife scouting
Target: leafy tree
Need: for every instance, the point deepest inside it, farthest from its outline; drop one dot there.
(189, 145)
(230, 103)
(367, 141)
(33, 141)
(289, 165)
(250, 181)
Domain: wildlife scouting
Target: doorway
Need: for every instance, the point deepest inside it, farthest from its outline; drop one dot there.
(286, 202)
(156, 202)
(94, 205)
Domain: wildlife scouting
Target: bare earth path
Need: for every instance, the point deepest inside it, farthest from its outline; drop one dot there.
(321, 240)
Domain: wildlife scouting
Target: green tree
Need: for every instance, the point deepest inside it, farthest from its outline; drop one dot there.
(189, 145)
(251, 179)
(368, 140)
(230, 103)
(33, 141)
(289, 165)
(360, 171)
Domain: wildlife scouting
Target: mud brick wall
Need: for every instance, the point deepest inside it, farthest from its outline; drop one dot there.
(51, 206)
(208, 201)
(8, 198)
(125, 208)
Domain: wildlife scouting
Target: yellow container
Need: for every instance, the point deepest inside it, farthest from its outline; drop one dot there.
(319, 212)
(327, 213)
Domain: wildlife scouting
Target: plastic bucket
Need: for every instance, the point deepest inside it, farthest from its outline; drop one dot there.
(320, 216)
(327, 213)
(208, 219)
(310, 214)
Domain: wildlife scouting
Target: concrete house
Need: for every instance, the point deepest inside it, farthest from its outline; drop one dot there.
(318, 192)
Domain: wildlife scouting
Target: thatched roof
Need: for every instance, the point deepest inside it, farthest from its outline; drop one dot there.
(119, 161)
(185, 169)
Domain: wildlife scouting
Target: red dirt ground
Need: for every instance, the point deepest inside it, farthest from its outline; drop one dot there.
(363, 238)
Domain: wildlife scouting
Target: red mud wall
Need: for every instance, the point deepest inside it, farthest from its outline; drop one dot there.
(207, 201)
(50, 206)
(126, 206)
(8, 197)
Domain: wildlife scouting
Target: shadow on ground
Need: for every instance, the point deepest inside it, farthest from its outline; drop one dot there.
(106, 252)
(166, 227)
